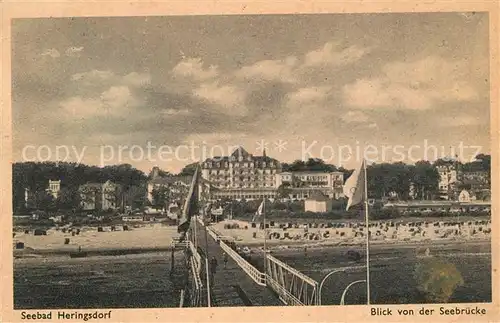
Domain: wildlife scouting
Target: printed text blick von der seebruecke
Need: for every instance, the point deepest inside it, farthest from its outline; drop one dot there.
(444, 311)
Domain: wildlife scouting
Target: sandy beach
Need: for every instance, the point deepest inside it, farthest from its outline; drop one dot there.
(146, 238)
(150, 237)
(404, 233)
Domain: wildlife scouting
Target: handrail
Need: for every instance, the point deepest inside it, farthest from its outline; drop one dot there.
(254, 273)
(195, 270)
(257, 276)
(196, 255)
(307, 279)
(197, 284)
(288, 298)
(177, 243)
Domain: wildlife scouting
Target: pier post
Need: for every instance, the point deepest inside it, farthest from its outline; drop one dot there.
(172, 262)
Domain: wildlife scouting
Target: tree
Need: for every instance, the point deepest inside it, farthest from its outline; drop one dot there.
(485, 161)
(34, 176)
(312, 164)
(160, 197)
(68, 198)
(188, 170)
(135, 196)
(382, 179)
(284, 191)
(44, 200)
(425, 178)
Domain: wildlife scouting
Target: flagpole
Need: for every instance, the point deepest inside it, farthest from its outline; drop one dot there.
(265, 235)
(203, 203)
(207, 257)
(367, 237)
(195, 235)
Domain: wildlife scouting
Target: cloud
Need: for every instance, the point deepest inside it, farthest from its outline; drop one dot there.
(117, 96)
(113, 102)
(270, 70)
(92, 76)
(74, 51)
(82, 108)
(107, 78)
(354, 117)
(225, 140)
(193, 68)
(418, 85)
(137, 79)
(293, 69)
(460, 121)
(175, 112)
(228, 98)
(309, 94)
(332, 54)
(54, 53)
(264, 95)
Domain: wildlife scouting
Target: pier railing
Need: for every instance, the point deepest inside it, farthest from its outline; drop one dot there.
(292, 286)
(254, 273)
(195, 264)
(177, 243)
(196, 256)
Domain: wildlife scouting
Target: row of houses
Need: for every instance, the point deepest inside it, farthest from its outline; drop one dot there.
(453, 179)
(245, 176)
(93, 196)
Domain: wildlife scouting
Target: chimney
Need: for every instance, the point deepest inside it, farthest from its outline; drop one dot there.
(155, 172)
(264, 152)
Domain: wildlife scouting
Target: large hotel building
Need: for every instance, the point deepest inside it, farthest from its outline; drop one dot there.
(245, 176)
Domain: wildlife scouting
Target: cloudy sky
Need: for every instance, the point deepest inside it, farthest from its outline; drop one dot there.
(303, 84)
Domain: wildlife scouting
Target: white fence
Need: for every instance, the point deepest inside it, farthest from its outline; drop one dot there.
(292, 286)
(284, 295)
(195, 263)
(254, 273)
(196, 256)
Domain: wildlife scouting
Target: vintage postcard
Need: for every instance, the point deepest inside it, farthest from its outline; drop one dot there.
(250, 161)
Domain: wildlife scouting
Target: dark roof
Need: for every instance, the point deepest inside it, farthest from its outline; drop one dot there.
(240, 151)
(171, 180)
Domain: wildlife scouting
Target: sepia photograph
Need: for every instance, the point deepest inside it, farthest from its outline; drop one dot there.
(202, 161)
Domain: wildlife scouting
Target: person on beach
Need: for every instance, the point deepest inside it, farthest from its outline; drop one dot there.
(225, 260)
(213, 269)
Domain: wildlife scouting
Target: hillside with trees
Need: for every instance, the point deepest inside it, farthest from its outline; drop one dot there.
(35, 177)
(383, 180)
